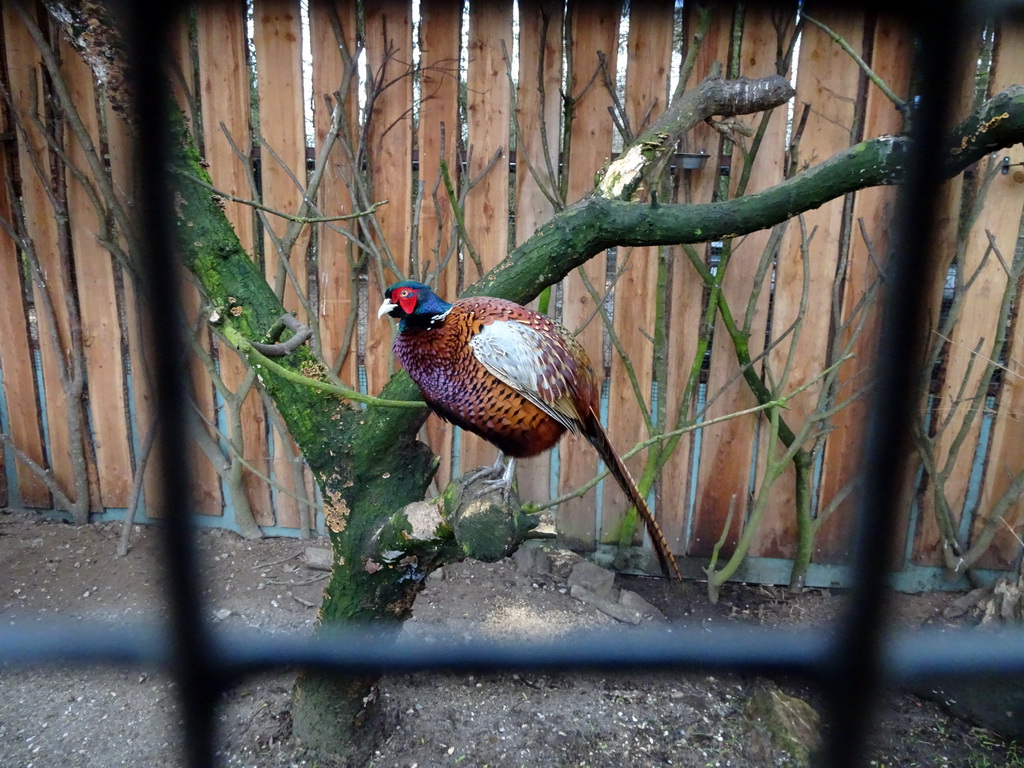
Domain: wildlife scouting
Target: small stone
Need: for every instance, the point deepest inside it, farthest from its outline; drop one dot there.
(532, 560)
(605, 605)
(594, 579)
(965, 603)
(541, 563)
(791, 723)
(523, 558)
(633, 602)
(318, 558)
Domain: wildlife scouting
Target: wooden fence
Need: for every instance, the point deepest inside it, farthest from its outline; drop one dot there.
(813, 295)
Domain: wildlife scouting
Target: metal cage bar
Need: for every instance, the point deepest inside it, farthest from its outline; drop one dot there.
(857, 675)
(852, 665)
(193, 662)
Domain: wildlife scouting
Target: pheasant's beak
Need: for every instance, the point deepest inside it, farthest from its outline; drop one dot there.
(386, 308)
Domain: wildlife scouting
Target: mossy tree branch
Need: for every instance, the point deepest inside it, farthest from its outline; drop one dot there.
(594, 224)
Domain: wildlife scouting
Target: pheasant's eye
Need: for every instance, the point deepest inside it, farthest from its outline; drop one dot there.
(407, 300)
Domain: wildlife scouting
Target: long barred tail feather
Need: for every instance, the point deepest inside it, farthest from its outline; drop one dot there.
(599, 439)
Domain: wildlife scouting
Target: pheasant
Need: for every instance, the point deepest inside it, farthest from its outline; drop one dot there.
(509, 374)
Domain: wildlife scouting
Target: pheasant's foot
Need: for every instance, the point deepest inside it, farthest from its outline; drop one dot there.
(497, 471)
(499, 477)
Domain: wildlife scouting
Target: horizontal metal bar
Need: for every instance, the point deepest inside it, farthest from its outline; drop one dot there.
(909, 656)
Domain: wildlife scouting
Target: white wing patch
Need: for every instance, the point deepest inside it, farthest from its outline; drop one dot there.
(515, 353)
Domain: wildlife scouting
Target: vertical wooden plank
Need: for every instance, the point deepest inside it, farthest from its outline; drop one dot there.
(205, 489)
(488, 109)
(205, 483)
(97, 297)
(277, 38)
(120, 148)
(686, 289)
(141, 384)
(182, 72)
(538, 116)
(25, 85)
(388, 29)
(977, 321)
(593, 27)
(17, 370)
(440, 23)
(1002, 216)
(224, 81)
(828, 79)
(891, 59)
(1005, 460)
(649, 51)
(726, 451)
(699, 185)
(338, 295)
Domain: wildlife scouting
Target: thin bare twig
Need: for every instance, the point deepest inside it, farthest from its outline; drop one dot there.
(874, 78)
(301, 334)
(257, 205)
(136, 494)
(522, 155)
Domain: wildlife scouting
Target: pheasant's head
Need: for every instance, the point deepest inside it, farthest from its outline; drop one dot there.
(413, 304)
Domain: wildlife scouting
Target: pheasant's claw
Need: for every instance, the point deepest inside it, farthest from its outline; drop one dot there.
(487, 486)
(478, 475)
(498, 477)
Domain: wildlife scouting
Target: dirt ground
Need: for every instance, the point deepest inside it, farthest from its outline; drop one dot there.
(103, 718)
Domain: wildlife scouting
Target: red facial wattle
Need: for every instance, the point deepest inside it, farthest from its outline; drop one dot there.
(407, 301)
